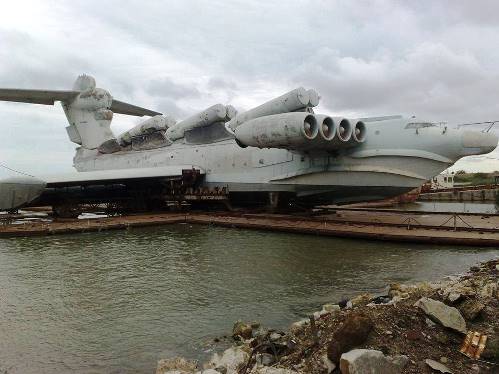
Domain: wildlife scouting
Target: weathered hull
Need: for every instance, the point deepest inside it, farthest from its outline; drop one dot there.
(250, 174)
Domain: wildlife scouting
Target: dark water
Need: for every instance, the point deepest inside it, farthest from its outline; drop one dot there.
(116, 302)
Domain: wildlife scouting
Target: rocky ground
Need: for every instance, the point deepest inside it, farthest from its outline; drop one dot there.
(411, 329)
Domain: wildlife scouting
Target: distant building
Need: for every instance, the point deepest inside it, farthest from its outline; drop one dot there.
(442, 181)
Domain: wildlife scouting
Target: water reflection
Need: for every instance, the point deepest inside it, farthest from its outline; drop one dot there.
(118, 301)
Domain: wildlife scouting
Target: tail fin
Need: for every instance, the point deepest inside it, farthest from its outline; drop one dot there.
(89, 109)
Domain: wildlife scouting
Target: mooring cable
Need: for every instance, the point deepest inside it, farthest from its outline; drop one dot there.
(16, 171)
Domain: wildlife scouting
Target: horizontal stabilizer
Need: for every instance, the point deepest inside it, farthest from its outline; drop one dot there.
(46, 97)
(132, 110)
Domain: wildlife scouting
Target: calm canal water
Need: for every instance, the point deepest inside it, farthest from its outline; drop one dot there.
(116, 302)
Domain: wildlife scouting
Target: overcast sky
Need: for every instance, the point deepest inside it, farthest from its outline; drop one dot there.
(434, 59)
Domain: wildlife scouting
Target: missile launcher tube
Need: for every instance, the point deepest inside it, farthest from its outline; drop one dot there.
(286, 130)
(208, 116)
(289, 102)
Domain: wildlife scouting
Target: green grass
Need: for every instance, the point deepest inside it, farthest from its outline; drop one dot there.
(474, 178)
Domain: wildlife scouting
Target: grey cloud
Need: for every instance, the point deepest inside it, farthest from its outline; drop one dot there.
(431, 58)
(430, 80)
(166, 87)
(217, 83)
(169, 107)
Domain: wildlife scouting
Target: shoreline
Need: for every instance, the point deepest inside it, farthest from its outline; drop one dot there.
(415, 328)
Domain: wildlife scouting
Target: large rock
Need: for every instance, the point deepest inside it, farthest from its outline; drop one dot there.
(176, 365)
(242, 330)
(231, 359)
(446, 315)
(350, 334)
(332, 308)
(362, 361)
(362, 299)
(470, 309)
(458, 291)
(398, 291)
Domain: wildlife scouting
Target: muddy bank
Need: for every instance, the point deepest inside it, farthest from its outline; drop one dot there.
(447, 326)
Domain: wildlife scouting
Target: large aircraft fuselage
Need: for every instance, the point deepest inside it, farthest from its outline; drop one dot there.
(397, 157)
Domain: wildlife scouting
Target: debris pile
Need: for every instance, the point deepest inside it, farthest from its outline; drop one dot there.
(450, 326)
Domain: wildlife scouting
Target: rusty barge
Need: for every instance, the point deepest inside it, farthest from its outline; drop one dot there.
(436, 228)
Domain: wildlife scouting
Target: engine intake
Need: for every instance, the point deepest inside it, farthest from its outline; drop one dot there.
(344, 129)
(327, 127)
(359, 131)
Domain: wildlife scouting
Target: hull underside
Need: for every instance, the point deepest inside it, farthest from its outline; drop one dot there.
(322, 195)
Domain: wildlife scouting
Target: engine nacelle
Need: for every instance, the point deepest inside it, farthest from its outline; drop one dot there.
(287, 130)
(292, 101)
(215, 113)
(153, 124)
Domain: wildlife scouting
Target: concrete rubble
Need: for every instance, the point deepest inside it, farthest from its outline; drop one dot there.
(359, 361)
(409, 329)
(437, 366)
(231, 360)
(446, 315)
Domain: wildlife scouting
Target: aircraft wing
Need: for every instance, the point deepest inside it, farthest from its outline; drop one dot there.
(46, 97)
(116, 175)
(20, 191)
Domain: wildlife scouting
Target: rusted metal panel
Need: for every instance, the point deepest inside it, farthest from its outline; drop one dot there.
(473, 344)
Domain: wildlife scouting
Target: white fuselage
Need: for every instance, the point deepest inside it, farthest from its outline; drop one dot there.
(395, 158)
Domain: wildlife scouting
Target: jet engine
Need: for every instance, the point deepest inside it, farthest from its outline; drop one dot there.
(358, 132)
(327, 128)
(300, 131)
(286, 130)
(296, 100)
(149, 126)
(343, 133)
(215, 113)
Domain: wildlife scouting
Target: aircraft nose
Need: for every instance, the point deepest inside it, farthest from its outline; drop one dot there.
(477, 143)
